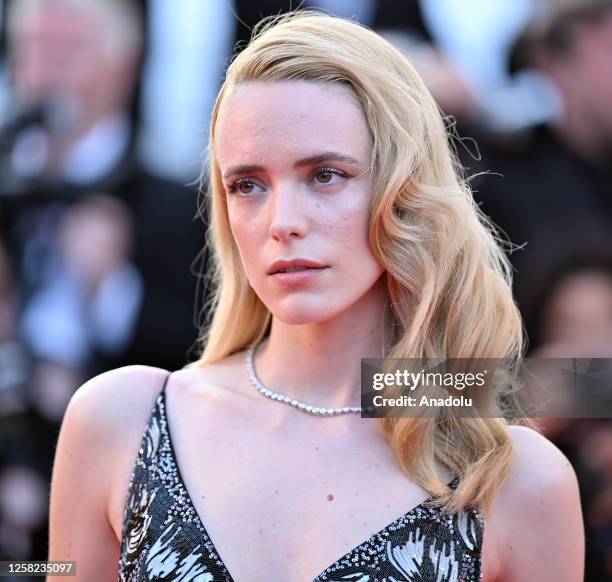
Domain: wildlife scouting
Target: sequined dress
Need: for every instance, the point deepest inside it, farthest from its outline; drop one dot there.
(164, 539)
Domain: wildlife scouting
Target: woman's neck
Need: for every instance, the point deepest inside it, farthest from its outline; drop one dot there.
(320, 362)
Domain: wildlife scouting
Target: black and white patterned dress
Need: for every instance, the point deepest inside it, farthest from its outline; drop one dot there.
(163, 538)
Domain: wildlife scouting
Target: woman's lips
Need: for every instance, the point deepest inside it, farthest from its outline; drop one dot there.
(298, 278)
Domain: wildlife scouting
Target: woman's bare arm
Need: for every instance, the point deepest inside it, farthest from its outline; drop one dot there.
(102, 423)
(541, 517)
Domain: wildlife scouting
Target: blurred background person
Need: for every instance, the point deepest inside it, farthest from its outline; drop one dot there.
(556, 176)
(89, 299)
(99, 247)
(77, 62)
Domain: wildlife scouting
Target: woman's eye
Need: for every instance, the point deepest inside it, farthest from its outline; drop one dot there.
(320, 177)
(328, 175)
(242, 186)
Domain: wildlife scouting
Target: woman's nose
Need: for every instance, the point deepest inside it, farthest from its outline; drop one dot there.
(287, 213)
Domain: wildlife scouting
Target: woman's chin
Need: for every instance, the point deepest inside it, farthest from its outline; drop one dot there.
(301, 315)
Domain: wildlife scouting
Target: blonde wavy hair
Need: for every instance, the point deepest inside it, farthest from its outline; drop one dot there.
(448, 278)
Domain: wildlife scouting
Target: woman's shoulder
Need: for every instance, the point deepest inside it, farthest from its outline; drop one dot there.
(115, 407)
(117, 399)
(539, 468)
(100, 433)
(538, 506)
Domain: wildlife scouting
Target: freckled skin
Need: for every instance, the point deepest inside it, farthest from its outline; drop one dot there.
(284, 212)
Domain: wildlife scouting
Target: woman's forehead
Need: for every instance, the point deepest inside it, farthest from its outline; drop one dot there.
(290, 116)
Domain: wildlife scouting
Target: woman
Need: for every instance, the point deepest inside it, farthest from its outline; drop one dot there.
(326, 151)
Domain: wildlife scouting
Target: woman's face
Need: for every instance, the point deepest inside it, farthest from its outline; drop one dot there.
(294, 160)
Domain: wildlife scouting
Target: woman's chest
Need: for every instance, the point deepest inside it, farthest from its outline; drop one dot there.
(290, 508)
(269, 522)
(293, 508)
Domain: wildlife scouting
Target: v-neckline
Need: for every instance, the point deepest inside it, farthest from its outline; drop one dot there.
(200, 521)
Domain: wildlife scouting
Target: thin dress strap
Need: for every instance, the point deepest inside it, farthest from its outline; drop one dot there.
(163, 390)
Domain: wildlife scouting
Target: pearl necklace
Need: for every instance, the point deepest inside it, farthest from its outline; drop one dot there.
(320, 411)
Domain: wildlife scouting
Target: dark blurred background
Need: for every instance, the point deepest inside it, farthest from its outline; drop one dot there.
(104, 109)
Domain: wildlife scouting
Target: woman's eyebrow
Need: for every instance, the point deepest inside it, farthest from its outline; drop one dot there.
(243, 169)
(325, 157)
(309, 161)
